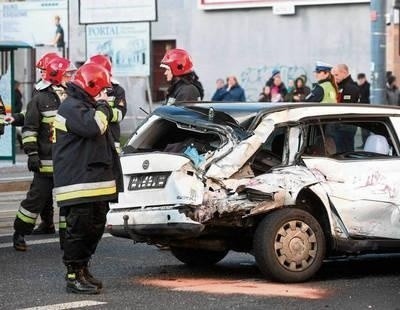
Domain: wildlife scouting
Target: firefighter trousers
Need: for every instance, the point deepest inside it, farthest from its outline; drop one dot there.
(37, 199)
(85, 224)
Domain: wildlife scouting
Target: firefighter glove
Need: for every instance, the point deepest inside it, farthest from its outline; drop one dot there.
(34, 163)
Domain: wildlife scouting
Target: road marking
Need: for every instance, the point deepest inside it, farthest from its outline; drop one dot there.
(257, 287)
(69, 305)
(41, 241)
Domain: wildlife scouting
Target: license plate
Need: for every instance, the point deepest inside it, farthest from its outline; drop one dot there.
(148, 180)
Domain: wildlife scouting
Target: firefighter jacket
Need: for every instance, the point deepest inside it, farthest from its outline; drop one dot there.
(184, 88)
(37, 132)
(2, 116)
(117, 102)
(86, 164)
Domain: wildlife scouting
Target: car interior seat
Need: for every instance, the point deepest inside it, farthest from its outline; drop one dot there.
(377, 144)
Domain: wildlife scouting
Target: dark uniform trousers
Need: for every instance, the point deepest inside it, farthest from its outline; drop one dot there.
(85, 224)
(38, 198)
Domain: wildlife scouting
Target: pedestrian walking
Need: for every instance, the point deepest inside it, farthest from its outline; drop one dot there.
(179, 73)
(85, 165)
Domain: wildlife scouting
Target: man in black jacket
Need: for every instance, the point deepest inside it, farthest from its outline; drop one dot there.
(364, 87)
(348, 93)
(348, 89)
(87, 173)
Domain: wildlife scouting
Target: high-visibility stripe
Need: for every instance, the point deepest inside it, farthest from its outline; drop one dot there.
(85, 190)
(47, 162)
(62, 223)
(60, 123)
(87, 193)
(28, 213)
(48, 120)
(46, 169)
(29, 139)
(29, 133)
(111, 101)
(26, 216)
(117, 115)
(101, 120)
(49, 113)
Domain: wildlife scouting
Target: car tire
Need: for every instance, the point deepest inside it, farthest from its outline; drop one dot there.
(289, 245)
(198, 257)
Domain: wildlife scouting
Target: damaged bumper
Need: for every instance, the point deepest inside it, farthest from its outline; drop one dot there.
(152, 223)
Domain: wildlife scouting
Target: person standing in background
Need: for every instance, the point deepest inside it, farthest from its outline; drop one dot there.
(348, 89)
(232, 91)
(325, 90)
(59, 37)
(364, 87)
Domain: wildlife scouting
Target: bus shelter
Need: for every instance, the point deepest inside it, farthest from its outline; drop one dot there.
(7, 73)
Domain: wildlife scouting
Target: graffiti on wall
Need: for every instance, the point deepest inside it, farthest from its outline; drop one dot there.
(253, 79)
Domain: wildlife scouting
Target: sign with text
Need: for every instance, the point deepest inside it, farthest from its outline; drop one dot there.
(33, 22)
(128, 45)
(94, 11)
(235, 4)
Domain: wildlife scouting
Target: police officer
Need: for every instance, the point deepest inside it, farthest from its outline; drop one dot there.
(325, 90)
(184, 82)
(116, 99)
(85, 161)
(349, 92)
(37, 135)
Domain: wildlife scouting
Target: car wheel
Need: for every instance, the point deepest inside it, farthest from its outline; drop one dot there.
(198, 257)
(289, 245)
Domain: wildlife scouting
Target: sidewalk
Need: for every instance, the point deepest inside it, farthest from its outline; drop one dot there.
(15, 180)
(15, 177)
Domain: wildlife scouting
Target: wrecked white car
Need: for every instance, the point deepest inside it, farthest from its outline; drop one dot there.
(291, 184)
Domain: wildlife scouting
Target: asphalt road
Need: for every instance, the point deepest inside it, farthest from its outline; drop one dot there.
(138, 276)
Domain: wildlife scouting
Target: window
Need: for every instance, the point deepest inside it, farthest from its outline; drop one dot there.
(270, 153)
(350, 139)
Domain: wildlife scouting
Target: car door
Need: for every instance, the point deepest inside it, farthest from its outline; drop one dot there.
(360, 167)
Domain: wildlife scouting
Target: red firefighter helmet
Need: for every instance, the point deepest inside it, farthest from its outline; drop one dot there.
(92, 78)
(101, 60)
(178, 60)
(55, 70)
(45, 59)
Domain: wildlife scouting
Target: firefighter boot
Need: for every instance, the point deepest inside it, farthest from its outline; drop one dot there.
(19, 242)
(77, 283)
(90, 278)
(47, 224)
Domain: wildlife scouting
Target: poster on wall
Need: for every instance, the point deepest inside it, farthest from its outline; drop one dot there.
(128, 45)
(6, 140)
(235, 4)
(33, 22)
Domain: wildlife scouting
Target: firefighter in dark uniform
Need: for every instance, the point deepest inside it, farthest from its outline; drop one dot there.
(116, 99)
(2, 116)
(184, 82)
(349, 92)
(85, 168)
(37, 134)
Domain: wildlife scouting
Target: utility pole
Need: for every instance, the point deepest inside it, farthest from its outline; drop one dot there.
(378, 52)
